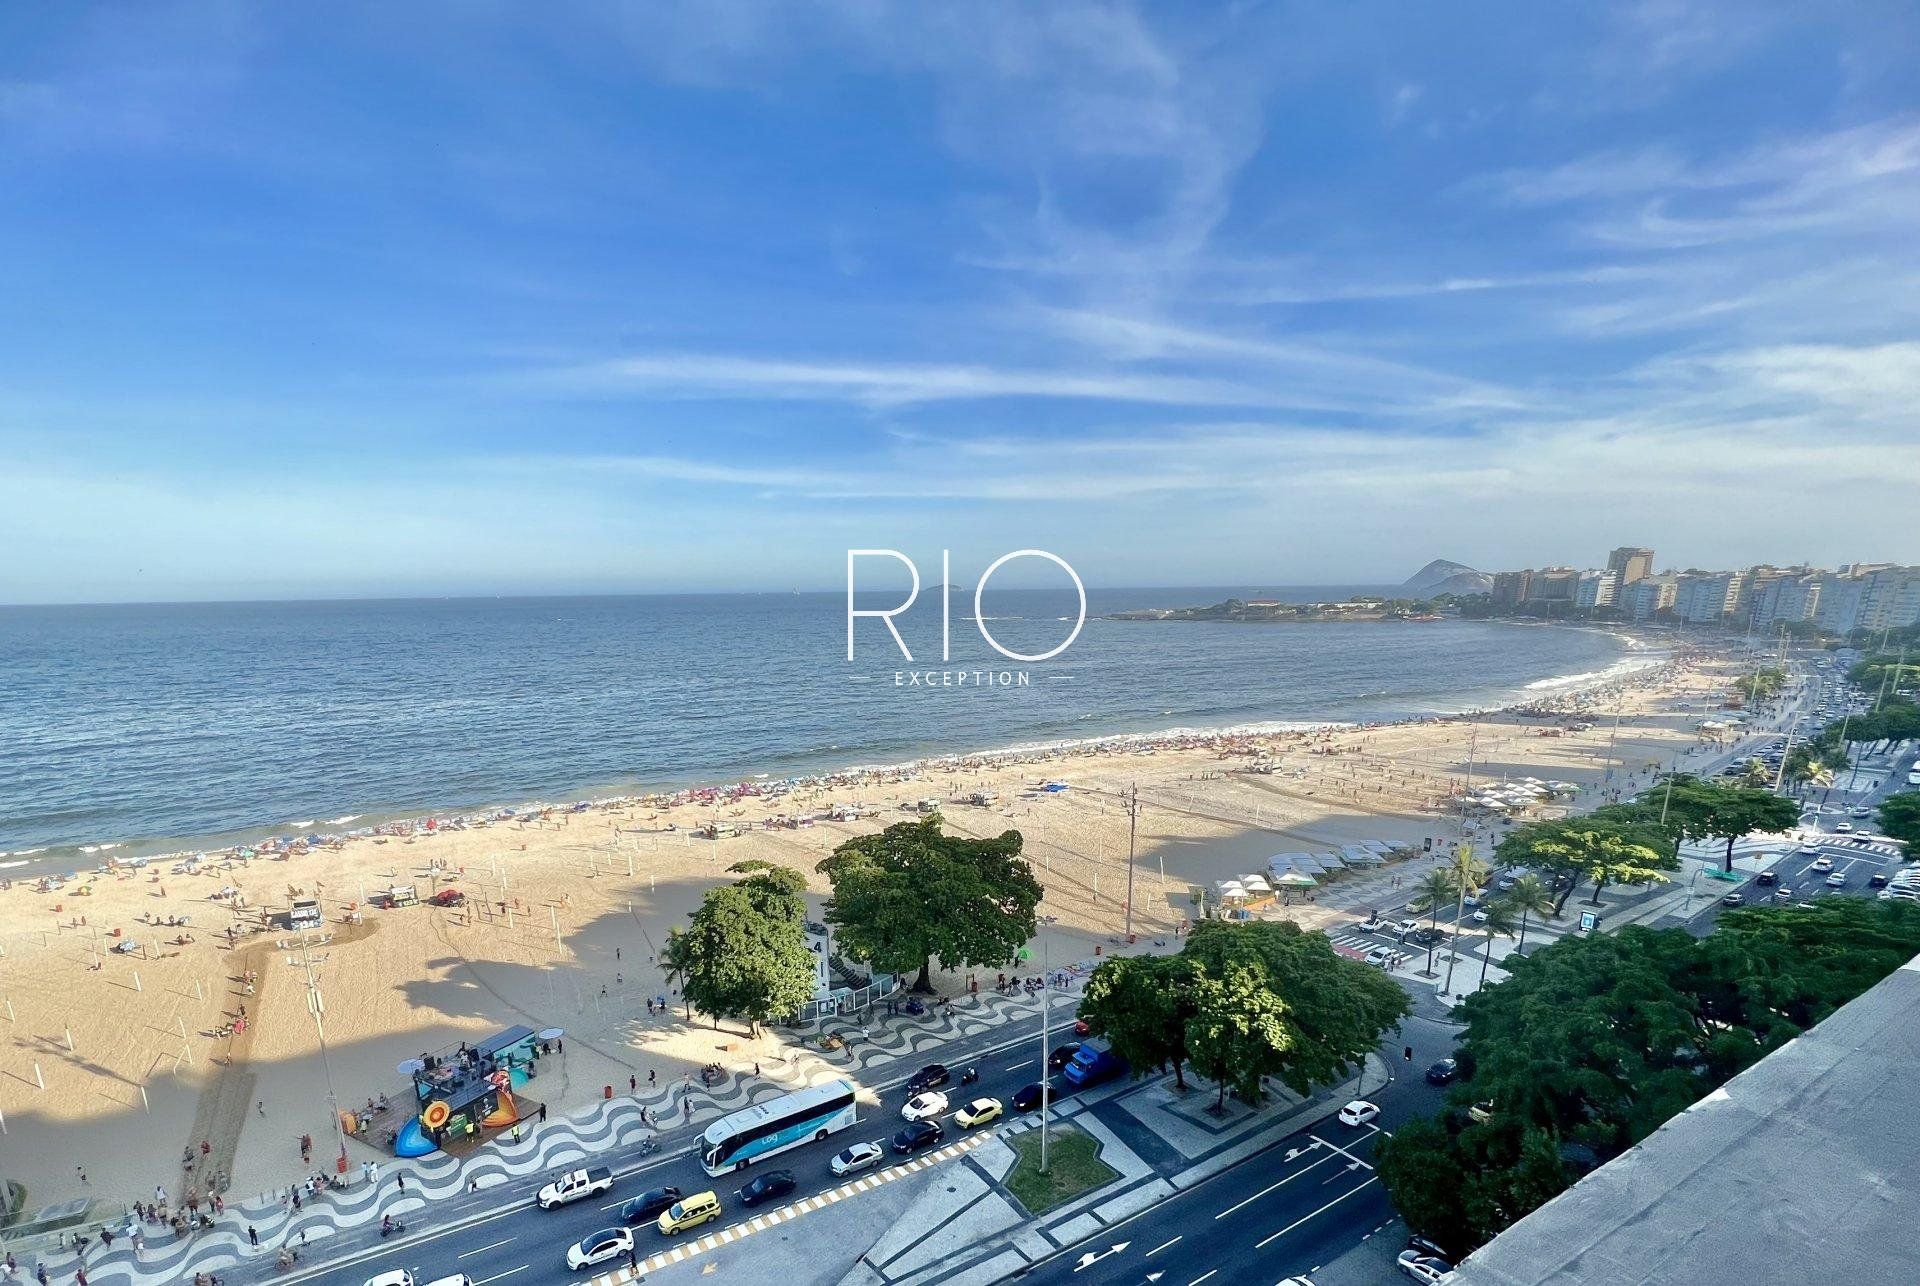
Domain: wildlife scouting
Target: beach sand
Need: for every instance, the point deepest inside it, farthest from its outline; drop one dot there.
(590, 896)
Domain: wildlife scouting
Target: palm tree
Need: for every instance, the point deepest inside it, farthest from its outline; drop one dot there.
(1434, 891)
(1469, 874)
(1756, 775)
(1821, 775)
(1529, 896)
(1500, 919)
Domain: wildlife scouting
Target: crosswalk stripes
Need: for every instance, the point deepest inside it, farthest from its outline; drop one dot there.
(806, 1205)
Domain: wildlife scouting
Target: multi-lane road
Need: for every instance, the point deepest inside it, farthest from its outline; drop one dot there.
(499, 1235)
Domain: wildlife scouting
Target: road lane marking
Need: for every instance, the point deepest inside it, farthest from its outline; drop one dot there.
(1162, 1246)
(1342, 1151)
(1203, 1276)
(1017, 1066)
(1270, 1187)
(1261, 1245)
(498, 1276)
(483, 1250)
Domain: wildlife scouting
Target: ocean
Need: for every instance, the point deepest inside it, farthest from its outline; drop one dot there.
(153, 728)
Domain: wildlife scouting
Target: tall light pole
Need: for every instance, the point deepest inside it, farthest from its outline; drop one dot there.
(1046, 1025)
(317, 1006)
(1133, 826)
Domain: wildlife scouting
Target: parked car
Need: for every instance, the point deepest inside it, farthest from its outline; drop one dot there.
(1416, 1242)
(1359, 1112)
(765, 1187)
(646, 1207)
(1443, 1072)
(574, 1185)
(1424, 1268)
(1482, 1111)
(688, 1212)
(932, 1076)
(922, 1106)
(1060, 1057)
(857, 1157)
(599, 1247)
(920, 1134)
(1027, 1097)
(978, 1113)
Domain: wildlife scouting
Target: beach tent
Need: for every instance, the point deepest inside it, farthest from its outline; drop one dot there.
(1295, 880)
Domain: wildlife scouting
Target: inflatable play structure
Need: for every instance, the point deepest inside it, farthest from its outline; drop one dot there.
(466, 1089)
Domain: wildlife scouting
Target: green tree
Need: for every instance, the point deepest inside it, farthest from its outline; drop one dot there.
(1708, 810)
(1900, 818)
(1501, 921)
(1337, 1008)
(910, 893)
(1601, 847)
(1528, 897)
(1469, 875)
(1431, 892)
(743, 955)
(1141, 1004)
(1423, 1169)
(1755, 775)
(1238, 1031)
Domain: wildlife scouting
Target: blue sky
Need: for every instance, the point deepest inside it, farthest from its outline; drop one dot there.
(344, 299)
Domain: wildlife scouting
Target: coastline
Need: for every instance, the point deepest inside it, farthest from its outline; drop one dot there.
(71, 861)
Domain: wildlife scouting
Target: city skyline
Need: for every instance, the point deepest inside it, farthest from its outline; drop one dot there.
(692, 298)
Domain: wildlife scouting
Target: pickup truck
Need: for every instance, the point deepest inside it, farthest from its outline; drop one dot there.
(574, 1185)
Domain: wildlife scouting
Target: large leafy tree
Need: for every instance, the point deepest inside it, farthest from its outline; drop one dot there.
(1600, 847)
(1141, 1004)
(1900, 818)
(744, 953)
(1238, 1032)
(1709, 810)
(1593, 1042)
(1337, 1008)
(912, 893)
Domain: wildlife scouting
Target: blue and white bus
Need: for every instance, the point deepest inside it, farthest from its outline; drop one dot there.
(737, 1140)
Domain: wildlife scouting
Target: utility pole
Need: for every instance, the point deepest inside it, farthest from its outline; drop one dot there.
(1133, 826)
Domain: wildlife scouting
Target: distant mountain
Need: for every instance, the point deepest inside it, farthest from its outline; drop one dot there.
(1443, 577)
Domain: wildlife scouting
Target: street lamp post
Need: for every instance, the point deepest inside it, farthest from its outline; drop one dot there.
(1046, 1026)
(317, 1006)
(1133, 821)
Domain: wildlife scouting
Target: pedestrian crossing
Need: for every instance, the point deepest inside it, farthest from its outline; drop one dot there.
(1396, 956)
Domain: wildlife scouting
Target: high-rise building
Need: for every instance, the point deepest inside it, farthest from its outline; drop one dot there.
(1510, 588)
(1595, 588)
(1649, 596)
(1890, 598)
(1839, 609)
(1630, 563)
(1705, 598)
(1787, 601)
(1553, 585)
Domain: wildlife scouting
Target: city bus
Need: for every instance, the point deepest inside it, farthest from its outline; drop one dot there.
(737, 1140)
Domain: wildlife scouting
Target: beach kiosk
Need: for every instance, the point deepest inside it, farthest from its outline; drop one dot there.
(467, 1088)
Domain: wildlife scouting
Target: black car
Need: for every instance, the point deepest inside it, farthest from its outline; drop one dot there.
(1443, 1072)
(1878, 880)
(1027, 1097)
(920, 1134)
(1060, 1057)
(930, 1077)
(1767, 878)
(646, 1207)
(774, 1183)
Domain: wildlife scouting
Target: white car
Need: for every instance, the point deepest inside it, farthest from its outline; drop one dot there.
(398, 1277)
(1837, 880)
(1844, 828)
(1821, 864)
(857, 1158)
(1380, 956)
(1359, 1112)
(1405, 927)
(1424, 1268)
(924, 1107)
(599, 1247)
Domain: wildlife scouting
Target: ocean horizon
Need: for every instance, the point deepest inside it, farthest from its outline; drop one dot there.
(139, 729)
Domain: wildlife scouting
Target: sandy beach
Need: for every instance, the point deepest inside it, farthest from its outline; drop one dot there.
(116, 1063)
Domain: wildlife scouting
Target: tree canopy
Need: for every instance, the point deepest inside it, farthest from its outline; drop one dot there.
(1900, 818)
(1162, 1010)
(1607, 846)
(744, 953)
(1592, 1042)
(911, 893)
(1709, 810)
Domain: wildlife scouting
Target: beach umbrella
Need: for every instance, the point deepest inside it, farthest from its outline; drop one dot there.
(1255, 884)
(550, 1033)
(410, 1066)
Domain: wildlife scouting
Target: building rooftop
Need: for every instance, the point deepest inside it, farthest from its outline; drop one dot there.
(1802, 1168)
